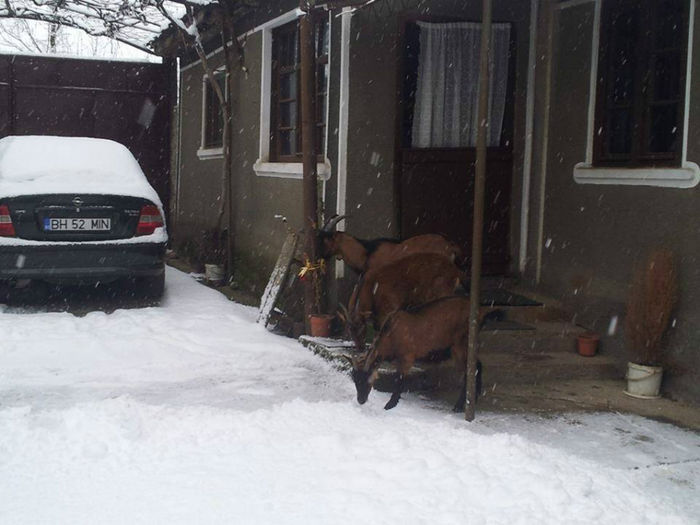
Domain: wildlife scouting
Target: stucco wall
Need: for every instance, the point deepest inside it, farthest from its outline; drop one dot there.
(258, 234)
(199, 182)
(374, 65)
(594, 235)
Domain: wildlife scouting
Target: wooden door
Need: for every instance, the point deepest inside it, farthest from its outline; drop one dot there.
(436, 185)
(437, 196)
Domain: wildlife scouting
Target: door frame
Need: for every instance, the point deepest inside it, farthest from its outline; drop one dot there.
(509, 117)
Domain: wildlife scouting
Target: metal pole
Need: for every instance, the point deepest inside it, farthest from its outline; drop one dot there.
(478, 226)
(308, 147)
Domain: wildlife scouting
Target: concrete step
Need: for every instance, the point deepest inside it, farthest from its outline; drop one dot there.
(501, 368)
(548, 309)
(537, 337)
(519, 346)
(506, 369)
(510, 367)
(533, 314)
(534, 368)
(333, 350)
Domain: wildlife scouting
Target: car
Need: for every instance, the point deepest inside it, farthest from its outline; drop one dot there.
(77, 210)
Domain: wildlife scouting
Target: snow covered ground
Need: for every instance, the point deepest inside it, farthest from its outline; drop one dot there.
(191, 413)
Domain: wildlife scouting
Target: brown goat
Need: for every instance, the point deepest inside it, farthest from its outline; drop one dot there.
(410, 335)
(406, 283)
(363, 255)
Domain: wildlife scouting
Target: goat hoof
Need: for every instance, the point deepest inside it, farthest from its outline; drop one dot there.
(391, 404)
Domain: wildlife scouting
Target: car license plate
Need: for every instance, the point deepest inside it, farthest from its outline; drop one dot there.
(57, 224)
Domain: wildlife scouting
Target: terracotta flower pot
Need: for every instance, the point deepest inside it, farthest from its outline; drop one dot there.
(320, 325)
(587, 344)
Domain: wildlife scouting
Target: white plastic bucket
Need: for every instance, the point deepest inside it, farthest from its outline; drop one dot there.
(643, 381)
(214, 273)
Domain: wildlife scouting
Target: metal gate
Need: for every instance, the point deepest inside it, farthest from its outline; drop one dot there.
(129, 102)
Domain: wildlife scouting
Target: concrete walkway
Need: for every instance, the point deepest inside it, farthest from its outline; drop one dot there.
(585, 395)
(540, 397)
(549, 396)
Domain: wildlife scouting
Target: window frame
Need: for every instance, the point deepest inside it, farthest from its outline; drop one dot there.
(263, 166)
(640, 155)
(322, 61)
(211, 150)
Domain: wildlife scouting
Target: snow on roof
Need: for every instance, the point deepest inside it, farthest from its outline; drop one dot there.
(31, 165)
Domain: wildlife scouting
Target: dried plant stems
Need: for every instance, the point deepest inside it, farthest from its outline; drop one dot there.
(653, 295)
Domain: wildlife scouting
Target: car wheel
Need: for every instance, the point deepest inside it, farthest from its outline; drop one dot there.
(4, 291)
(150, 288)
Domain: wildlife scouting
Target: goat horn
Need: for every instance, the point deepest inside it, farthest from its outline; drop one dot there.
(369, 358)
(332, 223)
(343, 313)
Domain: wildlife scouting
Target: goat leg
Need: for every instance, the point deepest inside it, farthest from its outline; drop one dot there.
(398, 388)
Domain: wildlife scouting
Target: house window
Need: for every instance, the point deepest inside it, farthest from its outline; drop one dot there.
(285, 114)
(641, 83)
(213, 119)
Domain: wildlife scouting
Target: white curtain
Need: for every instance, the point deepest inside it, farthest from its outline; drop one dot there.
(445, 114)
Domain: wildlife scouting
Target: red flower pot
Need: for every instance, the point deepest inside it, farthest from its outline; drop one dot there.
(587, 344)
(320, 325)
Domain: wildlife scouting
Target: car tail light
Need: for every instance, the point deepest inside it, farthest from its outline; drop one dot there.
(149, 220)
(6, 227)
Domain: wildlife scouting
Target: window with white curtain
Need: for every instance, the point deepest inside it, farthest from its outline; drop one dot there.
(445, 112)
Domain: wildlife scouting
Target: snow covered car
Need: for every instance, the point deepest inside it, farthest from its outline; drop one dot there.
(78, 210)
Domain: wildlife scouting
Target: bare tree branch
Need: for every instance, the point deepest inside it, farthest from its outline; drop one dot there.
(135, 23)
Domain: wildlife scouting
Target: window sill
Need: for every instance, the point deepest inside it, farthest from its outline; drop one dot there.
(210, 153)
(289, 170)
(685, 176)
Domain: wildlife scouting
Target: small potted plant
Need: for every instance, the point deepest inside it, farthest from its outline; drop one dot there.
(319, 324)
(652, 298)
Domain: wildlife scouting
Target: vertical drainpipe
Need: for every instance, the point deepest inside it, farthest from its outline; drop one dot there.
(343, 119)
(178, 153)
(529, 130)
(551, 13)
(327, 109)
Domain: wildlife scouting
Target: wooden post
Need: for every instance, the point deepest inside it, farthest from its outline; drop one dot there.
(308, 147)
(12, 96)
(478, 226)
